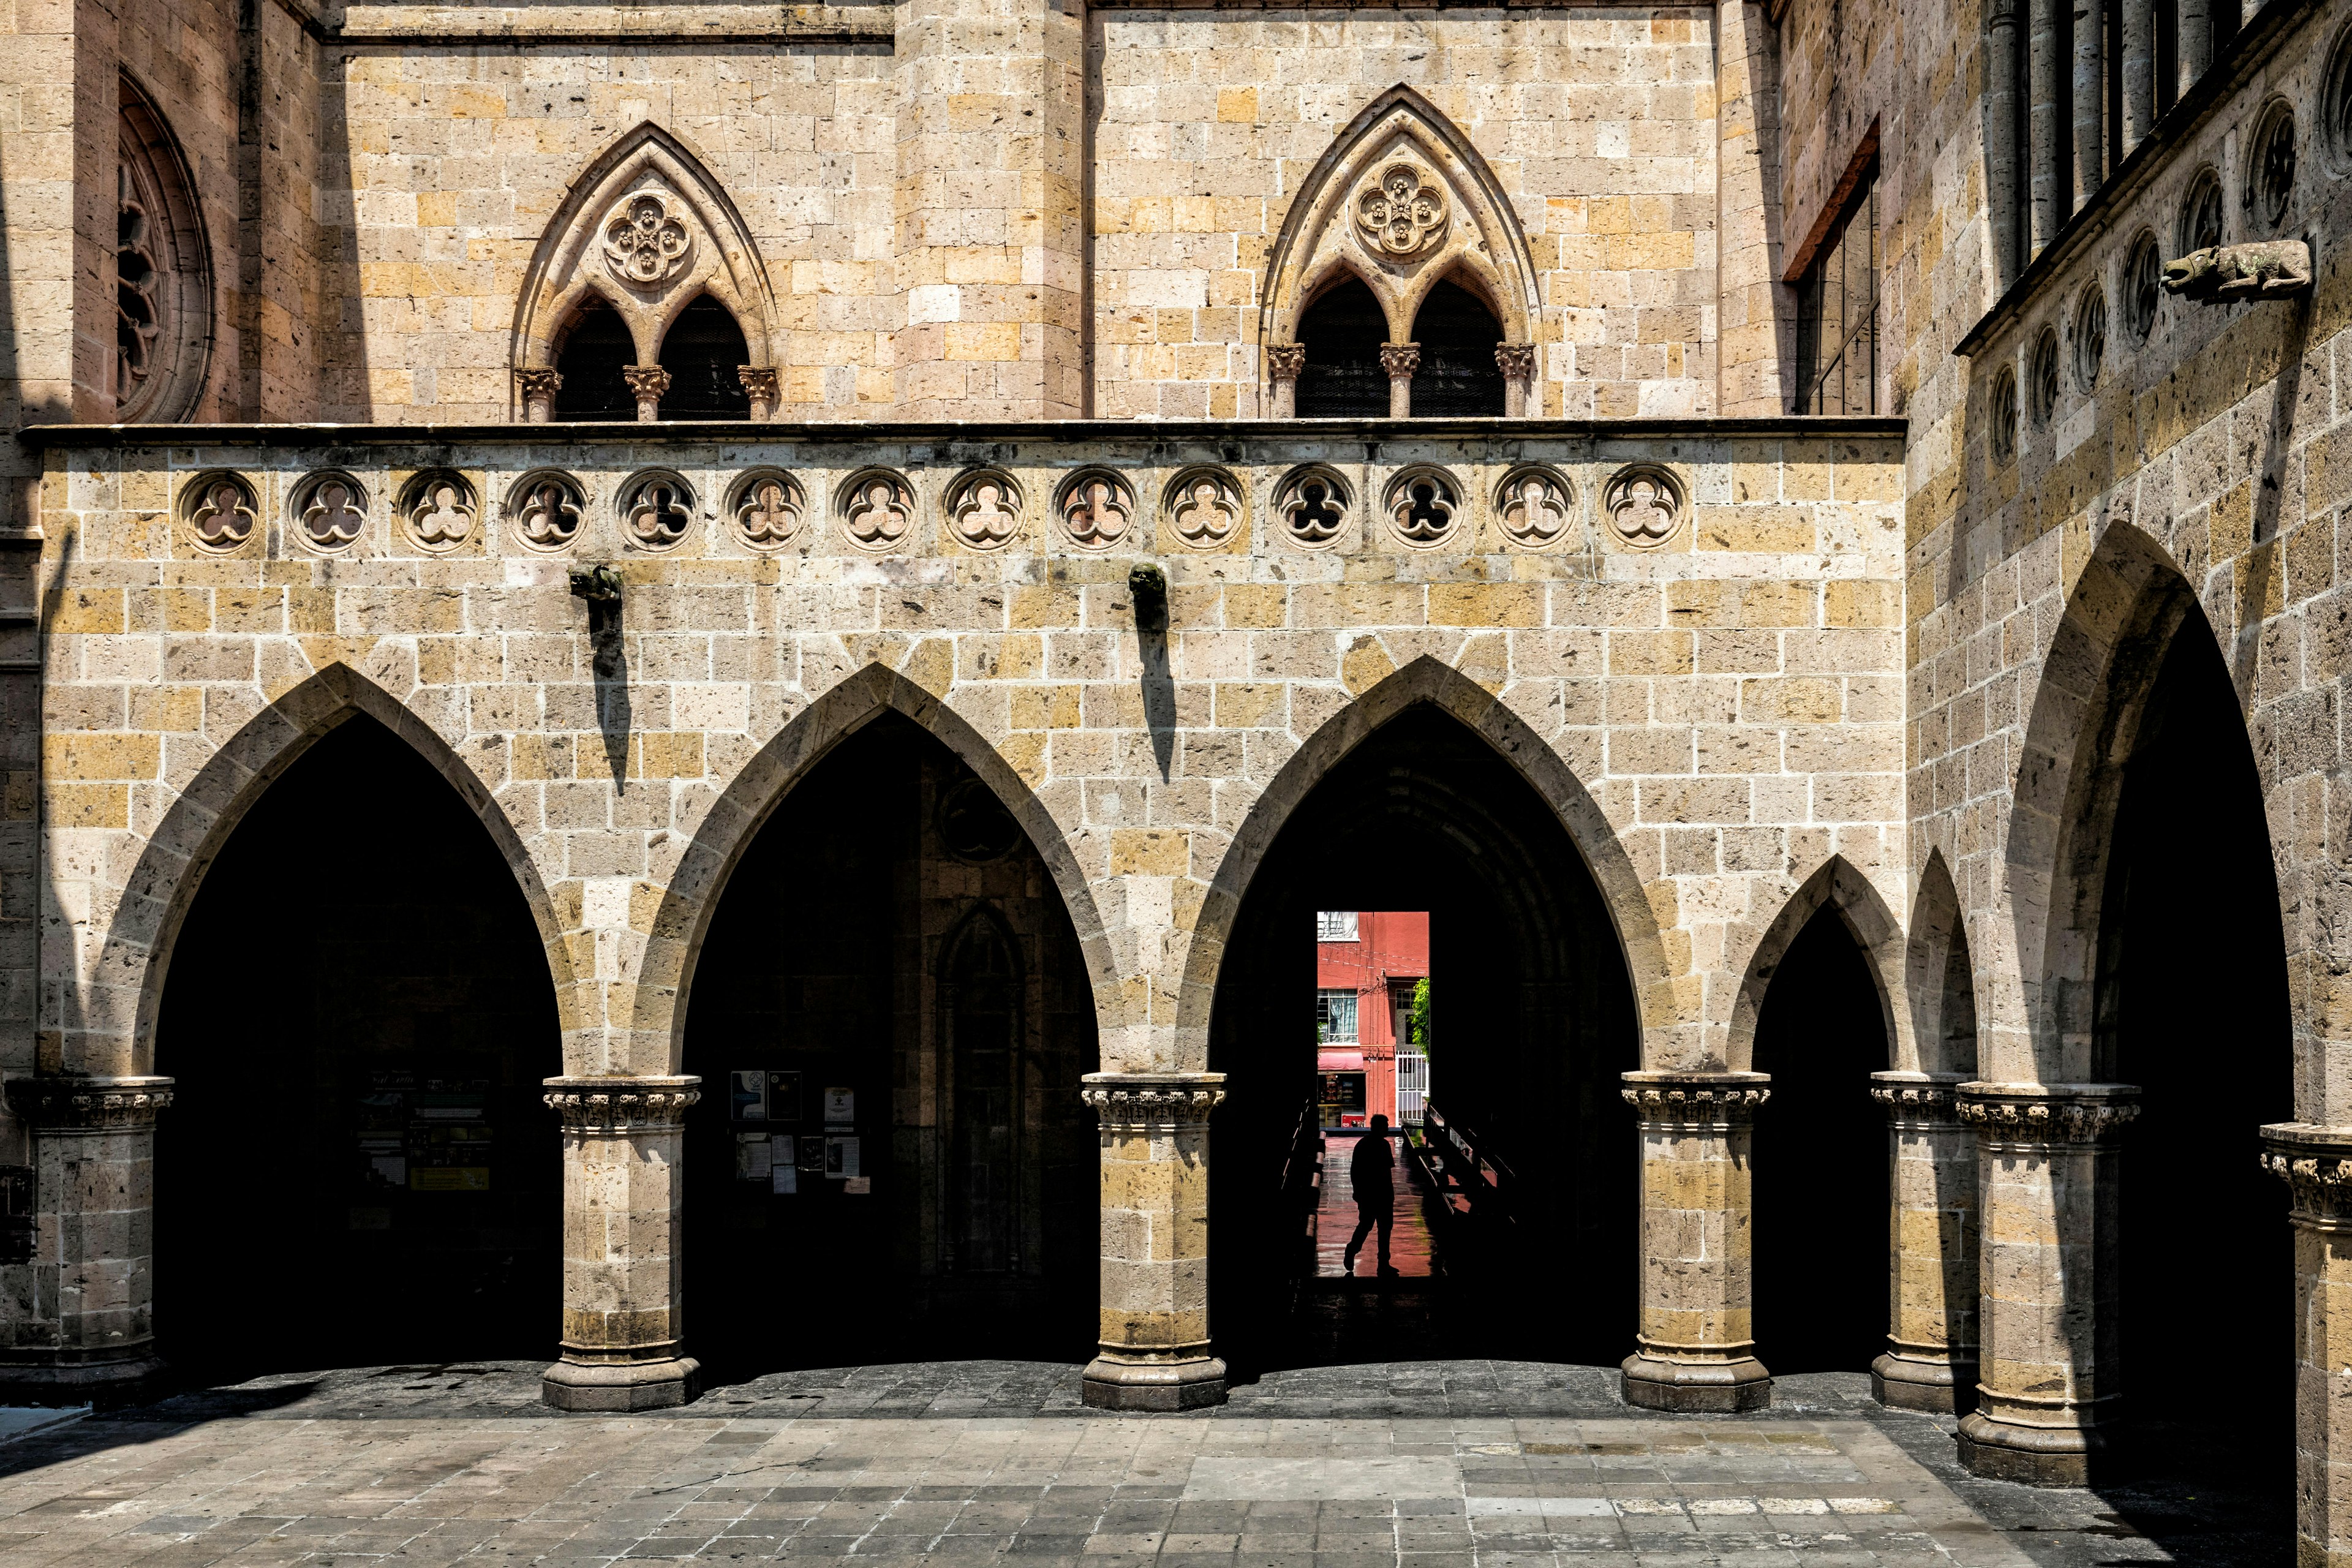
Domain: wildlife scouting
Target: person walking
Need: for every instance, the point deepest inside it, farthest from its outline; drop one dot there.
(1368, 1174)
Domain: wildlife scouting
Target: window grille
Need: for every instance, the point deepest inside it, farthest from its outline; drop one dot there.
(1413, 1086)
(1837, 314)
(1335, 925)
(1335, 1017)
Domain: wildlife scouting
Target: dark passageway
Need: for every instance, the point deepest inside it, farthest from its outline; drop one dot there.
(358, 1167)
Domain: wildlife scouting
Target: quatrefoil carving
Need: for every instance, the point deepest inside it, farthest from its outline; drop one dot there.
(1645, 503)
(1535, 506)
(221, 512)
(767, 510)
(1096, 507)
(547, 510)
(1204, 507)
(1313, 505)
(645, 244)
(656, 508)
(983, 507)
(1402, 211)
(878, 508)
(438, 512)
(332, 510)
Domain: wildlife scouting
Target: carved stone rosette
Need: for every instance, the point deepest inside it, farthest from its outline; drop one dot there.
(52, 1106)
(2316, 1162)
(2029, 1116)
(604, 1106)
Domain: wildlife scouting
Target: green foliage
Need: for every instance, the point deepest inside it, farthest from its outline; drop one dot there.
(1417, 1021)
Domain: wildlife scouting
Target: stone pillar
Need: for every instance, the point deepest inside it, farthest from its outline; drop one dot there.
(2045, 77)
(764, 386)
(622, 1190)
(1400, 360)
(1517, 364)
(1697, 1335)
(2195, 51)
(648, 382)
(2089, 141)
(2316, 1163)
(1154, 1352)
(2002, 154)
(90, 1323)
(1283, 364)
(2046, 1174)
(538, 388)
(1748, 292)
(1931, 1358)
(2140, 72)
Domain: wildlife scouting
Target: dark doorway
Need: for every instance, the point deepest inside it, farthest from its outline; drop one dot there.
(704, 351)
(2193, 994)
(1539, 1023)
(1823, 1289)
(1457, 374)
(1343, 334)
(358, 1167)
(900, 1166)
(596, 351)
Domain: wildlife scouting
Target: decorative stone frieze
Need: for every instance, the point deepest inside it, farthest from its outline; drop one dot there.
(329, 511)
(2316, 1162)
(1696, 1102)
(1645, 503)
(436, 511)
(982, 508)
(221, 512)
(1313, 501)
(1095, 506)
(766, 508)
(2036, 1115)
(1131, 1101)
(1204, 505)
(71, 1105)
(1917, 1100)
(604, 1105)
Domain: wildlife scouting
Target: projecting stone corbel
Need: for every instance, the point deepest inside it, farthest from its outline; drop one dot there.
(2275, 269)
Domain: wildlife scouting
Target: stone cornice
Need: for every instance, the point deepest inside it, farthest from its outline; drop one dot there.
(621, 1104)
(56, 1105)
(1137, 1100)
(1696, 1101)
(1918, 1099)
(2047, 1115)
(2316, 1162)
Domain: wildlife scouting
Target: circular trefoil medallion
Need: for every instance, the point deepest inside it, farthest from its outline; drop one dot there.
(1645, 503)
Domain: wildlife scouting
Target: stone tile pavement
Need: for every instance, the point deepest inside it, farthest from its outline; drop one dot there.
(968, 1465)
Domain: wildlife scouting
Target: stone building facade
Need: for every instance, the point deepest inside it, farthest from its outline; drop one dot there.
(1832, 513)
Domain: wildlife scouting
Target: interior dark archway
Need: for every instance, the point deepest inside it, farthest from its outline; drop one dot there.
(358, 1167)
(893, 933)
(2193, 1007)
(1820, 1238)
(596, 348)
(704, 351)
(1457, 374)
(1343, 334)
(1538, 1023)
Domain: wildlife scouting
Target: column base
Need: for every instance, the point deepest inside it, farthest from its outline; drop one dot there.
(1115, 1383)
(62, 1384)
(2035, 1455)
(1908, 1383)
(1721, 1387)
(622, 1385)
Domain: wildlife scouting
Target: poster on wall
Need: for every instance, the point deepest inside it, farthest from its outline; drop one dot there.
(858, 1184)
(752, 1157)
(784, 1180)
(841, 1158)
(748, 1095)
(784, 1097)
(811, 1153)
(840, 1107)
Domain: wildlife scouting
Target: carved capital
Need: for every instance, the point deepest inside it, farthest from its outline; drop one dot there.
(1135, 1102)
(646, 380)
(1400, 360)
(538, 389)
(1696, 1102)
(2031, 1116)
(622, 1104)
(1517, 360)
(56, 1105)
(763, 385)
(1918, 1100)
(2316, 1162)
(1285, 360)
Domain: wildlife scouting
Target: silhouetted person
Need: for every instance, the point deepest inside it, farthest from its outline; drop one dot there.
(1367, 1174)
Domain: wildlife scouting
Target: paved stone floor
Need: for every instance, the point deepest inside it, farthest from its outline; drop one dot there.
(1411, 1249)
(961, 1465)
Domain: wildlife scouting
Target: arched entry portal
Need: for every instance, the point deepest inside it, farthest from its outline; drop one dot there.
(891, 1014)
(358, 1167)
(1533, 1021)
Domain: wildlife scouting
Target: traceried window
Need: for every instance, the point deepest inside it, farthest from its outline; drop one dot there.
(1335, 1017)
(1837, 313)
(163, 272)
(1335, 925)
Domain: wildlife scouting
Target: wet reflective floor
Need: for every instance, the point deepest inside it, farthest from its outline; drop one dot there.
(1412, 1251)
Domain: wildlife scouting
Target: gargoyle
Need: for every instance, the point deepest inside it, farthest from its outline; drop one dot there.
(2268, 271)
(1148, 585)
(597, 584)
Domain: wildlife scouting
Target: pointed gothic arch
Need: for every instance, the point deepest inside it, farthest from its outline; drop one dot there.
(1838, 885)
(1472, 236)
(647, 229)
(1939, 974)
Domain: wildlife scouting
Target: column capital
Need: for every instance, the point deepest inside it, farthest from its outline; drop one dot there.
(764, 386)
(621, 1104)
(1153, 1098)
(1516, 359)
(1918, 1099)
(56, 1105)
(1285, 360)
(1696, 1101)
(2316, 1162)
(2047, 1115)
(1400, 360)
(538, 389)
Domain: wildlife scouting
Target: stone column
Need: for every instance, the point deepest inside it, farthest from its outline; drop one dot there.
(1517, 364)
(2140, 72)
(2002, 154)
(1283, 364)
(90, 1262)
(538, 388)
(623, 1322)
(1697, 1337)
(2316, 1163)
(648, 382)
(1931, 1358)
(2046, 1174)
(2089, 141)
(2195, 50)
(1154, 1351)
(764, 386)
(2046, 202)
(1400, 360)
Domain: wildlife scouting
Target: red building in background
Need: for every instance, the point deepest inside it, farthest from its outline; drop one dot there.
(1367, 963)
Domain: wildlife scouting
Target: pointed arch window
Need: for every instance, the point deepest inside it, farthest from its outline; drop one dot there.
(705, 352)
(1457, 374)
(596, 351)
(163, 272)
(1343, 334)
(1837, 313)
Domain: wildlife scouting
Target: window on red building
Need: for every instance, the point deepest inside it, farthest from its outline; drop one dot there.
(1335, 1014)
(1335, 925)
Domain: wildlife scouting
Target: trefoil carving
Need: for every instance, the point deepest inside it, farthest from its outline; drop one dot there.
(767, 508)
(656, 508)
(220, 512)
(436, 511)
(1095, 506)
(547, 507)
(877, 507)
(1423, 503)
(1535, 505)
(1204, 505)
(1312, 503)
(1645, 503)
(329, 511)
(983, 507)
